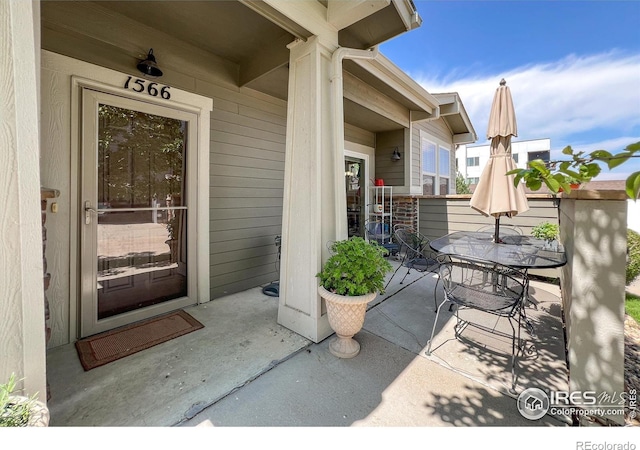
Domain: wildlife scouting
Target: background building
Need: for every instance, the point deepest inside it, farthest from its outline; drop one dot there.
(471, 160)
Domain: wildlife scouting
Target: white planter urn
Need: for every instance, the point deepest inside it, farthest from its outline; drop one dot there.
(346, 318)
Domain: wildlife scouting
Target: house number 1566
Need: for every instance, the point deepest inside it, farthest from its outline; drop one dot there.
(153, 89)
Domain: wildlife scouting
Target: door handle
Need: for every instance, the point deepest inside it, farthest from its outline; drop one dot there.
(87, 212)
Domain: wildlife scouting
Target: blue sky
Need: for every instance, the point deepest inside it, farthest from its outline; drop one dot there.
(573, 66)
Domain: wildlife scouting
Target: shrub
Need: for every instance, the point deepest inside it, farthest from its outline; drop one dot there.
(633, 255)
(545, 230)
(356, 267)
(13, 413)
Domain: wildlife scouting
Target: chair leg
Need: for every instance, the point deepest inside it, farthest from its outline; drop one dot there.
(435, 295)
(516, 349)
(435, 323)
(513, 355)
(394, 274)
(405, 275)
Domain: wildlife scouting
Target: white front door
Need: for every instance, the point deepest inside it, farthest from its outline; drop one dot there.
(137, 210)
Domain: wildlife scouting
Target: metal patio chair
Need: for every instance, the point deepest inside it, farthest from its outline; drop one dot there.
(486, 287)
(377, 231)
(415, 253)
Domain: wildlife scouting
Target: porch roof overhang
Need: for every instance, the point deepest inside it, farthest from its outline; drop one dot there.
(249, 39)
(395, 97)
(455, 116)
(254, 34)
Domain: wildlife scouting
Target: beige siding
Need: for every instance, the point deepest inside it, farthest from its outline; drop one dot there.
(442, 215)
(436, 128)
(359, 136)
(246, 186)
(392, 172)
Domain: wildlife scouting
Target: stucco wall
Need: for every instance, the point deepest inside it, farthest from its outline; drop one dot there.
(593, 231)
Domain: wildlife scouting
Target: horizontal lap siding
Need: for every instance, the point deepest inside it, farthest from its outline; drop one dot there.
(441, 215)
(246, 184)
(392, 172)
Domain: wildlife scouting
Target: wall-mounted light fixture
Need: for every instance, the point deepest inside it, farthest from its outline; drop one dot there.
(149, 66)
(396, 155)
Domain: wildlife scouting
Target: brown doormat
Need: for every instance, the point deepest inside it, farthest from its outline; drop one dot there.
(104, 348)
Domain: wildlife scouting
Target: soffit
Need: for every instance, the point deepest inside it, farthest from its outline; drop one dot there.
(224, 28)
(237, 33)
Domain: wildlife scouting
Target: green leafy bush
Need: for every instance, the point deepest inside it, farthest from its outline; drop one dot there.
(545, 230)
(355, 267)
(633, 255)
(12, 413)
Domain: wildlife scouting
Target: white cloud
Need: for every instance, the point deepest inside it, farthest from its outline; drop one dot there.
(587, 102)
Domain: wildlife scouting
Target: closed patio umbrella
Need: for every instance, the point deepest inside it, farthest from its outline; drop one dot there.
(495, 195)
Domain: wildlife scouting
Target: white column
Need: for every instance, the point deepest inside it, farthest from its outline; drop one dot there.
(593, 229)
(310, 212)
(22, 339)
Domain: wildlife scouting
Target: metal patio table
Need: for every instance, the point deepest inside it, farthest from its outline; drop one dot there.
(518, 251)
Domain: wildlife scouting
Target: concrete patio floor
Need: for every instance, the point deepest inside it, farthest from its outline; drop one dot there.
(243, 369)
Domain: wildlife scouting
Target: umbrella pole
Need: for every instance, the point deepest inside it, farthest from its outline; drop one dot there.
(496, 237)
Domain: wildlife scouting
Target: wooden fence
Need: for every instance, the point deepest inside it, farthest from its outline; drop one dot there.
(440, 215)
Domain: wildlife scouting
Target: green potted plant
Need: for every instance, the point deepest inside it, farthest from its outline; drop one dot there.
(20, 411)
(547, 231)
(350, 279)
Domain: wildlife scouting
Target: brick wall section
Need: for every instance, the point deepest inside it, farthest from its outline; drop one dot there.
(46, 194)
(405, 211)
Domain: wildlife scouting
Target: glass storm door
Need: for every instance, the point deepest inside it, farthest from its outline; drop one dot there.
(135, 211)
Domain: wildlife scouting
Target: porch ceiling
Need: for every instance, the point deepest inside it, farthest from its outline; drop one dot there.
(250, 34)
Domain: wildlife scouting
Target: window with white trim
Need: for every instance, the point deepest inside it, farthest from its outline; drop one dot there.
(473, 161)
(473, 180)
(436, 168)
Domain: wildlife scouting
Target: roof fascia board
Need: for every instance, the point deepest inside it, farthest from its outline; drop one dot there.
(464, 138)
(451, 104)
(342, 13)
(408, 14)
(383, 69)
